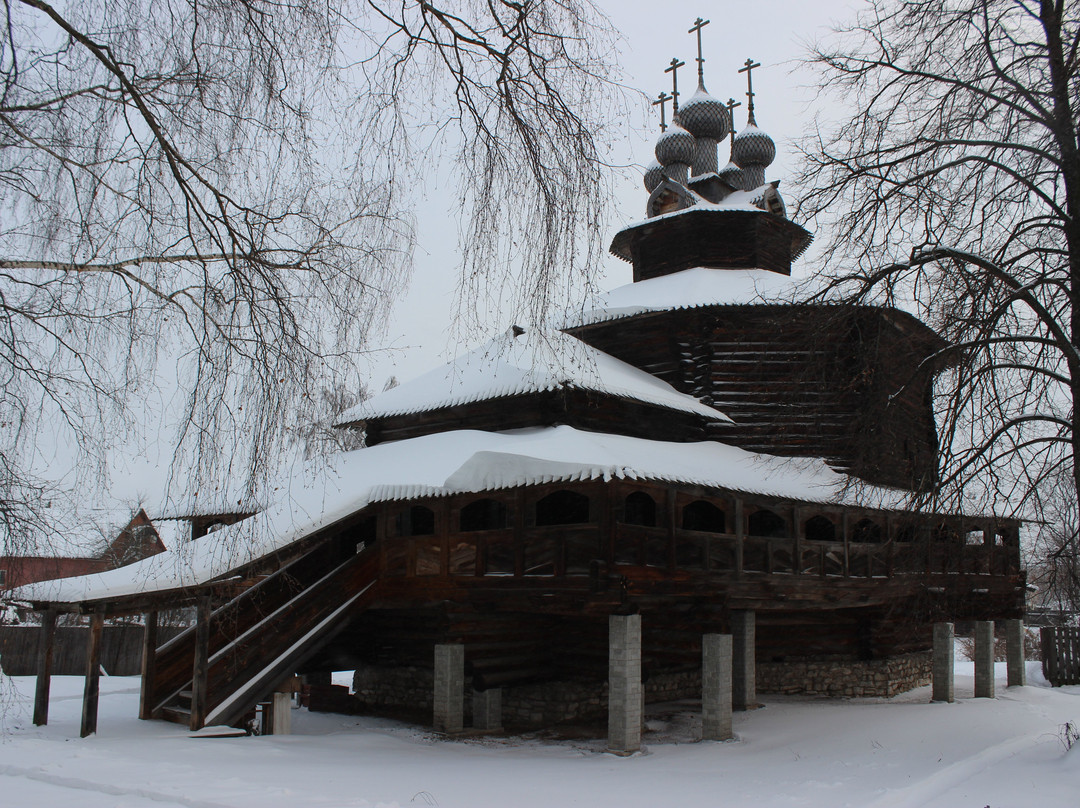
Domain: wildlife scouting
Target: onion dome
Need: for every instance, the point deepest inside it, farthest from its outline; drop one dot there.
(731, 174)
(704, 116)
(653, 176)
(676, 145)
(752, 147)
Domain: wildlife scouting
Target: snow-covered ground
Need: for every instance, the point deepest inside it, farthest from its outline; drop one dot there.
(794, 752)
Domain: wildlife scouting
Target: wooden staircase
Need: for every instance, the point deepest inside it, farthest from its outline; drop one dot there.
(261, 636)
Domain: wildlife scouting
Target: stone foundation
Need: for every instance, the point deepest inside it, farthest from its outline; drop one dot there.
(843, 677)
(407, 692)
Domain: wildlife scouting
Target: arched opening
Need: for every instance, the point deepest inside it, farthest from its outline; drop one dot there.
(417, 521)
(640, 510)
(820, 528)
(866, 531)
(906, 534)
(483, 514)
(767, 524)
(704, 516)
(562, 508)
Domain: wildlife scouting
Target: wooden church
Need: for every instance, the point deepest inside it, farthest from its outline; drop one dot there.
(694, 453)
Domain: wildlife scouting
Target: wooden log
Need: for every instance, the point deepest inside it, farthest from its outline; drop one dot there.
(93, 675)
(200, 667)
(149, 664)
(44, 667)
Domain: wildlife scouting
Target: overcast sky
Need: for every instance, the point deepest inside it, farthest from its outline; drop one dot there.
(772, 32)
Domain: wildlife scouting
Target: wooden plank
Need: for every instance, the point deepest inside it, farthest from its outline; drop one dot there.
(93, 675)
(201, 663)
(44, 667)
(149, 665)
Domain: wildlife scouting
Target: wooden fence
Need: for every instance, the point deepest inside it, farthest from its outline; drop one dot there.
(121, 649)
(1061, 654)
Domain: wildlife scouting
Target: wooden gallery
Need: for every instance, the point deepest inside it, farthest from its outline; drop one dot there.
(695, 485)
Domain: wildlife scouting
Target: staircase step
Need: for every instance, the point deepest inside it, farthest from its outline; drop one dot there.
(178, 715)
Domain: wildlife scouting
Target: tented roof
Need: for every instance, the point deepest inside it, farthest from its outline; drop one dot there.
(689, 289)
(521, 362)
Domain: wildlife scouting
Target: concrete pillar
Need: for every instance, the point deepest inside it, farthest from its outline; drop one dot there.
(1014, 652)
(716, 687)
(281, 714)
(944, 688)
(744, 662)
(984, 659)
(624, 683)
(487, 709)
(449, 688)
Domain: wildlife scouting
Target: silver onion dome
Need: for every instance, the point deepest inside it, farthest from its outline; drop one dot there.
(676, 145)
(704, 116)
(653, 176)
(752, 147)
(732, 175)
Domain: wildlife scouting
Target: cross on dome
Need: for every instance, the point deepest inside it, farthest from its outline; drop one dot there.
(696, 28)
(750, 64)
(673, 69)
(731, 104)
(661, 101)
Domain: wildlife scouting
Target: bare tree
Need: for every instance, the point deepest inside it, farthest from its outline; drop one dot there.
(1054, 555)
(219, 193)
(955, 191)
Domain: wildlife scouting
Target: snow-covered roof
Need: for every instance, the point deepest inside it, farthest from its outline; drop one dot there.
(448, 463)
(689, 289)
(520, 362)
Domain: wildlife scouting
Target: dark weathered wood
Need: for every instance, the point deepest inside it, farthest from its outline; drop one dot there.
(1061, 654)
(581, 409)
(200, 665)
(44, 667)
(846, 384)
(93, 675)
(149, 666)
(740, 536)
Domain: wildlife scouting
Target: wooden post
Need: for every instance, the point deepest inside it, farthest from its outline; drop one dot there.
(149, 664)
(44, 667)
(201, 666)
(671, 510)
(93, 675)
(744, 660)
(740, 536)
(890, 540)
(845, 535)
(797, 534)
(1049, 655)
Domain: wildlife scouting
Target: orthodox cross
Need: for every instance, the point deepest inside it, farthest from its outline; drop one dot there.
(673, 69)
(731, 104)
(698, 25)
(750, 65)
(661, 101)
